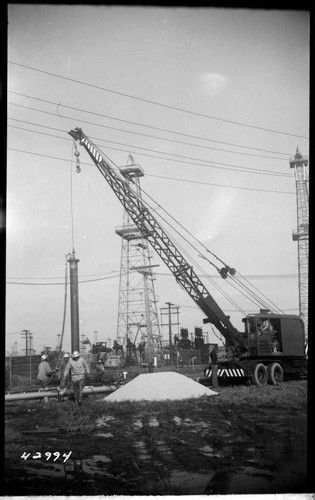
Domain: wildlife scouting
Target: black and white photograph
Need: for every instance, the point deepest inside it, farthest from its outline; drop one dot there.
(157, 251)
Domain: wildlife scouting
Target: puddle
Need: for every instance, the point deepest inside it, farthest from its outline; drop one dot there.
(94, 464)
(102, 421)
(191, 483)
(43, 470)
(105, 434)
(141, 447)
(207, 451)
(153, 422)
(138, 424)
(163, 448)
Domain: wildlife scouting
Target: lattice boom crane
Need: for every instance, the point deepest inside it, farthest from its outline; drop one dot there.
(250, 353)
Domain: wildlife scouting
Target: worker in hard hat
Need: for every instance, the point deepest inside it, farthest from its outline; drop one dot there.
(65, 382)
(44, 371)
(78, 368)
(100, 370)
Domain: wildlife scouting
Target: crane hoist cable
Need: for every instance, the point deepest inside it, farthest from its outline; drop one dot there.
(226, 270)
(215, 285)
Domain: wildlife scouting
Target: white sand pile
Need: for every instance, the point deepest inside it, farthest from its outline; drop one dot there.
(160, 386)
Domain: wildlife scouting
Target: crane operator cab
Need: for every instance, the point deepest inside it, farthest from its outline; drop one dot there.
(274, 335)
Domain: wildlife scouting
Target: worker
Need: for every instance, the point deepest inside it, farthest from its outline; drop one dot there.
(100, 370)
(213, 364)
(65, 382)
(263, 325)
(79, 370)
(44, 371)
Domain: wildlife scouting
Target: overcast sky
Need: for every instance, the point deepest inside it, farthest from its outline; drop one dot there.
(211, 103)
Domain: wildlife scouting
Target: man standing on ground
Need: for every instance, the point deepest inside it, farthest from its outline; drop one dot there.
(213, 364)
(79, 369)
(100, 370)
(44, 371)
(65, 382)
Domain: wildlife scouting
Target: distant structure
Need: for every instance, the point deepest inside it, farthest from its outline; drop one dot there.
(137, 310)
(301, 234)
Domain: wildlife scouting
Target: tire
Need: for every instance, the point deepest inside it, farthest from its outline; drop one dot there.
(275, 374)
(260, 375)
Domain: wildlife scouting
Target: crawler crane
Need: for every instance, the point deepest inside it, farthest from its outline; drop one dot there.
(259, 356)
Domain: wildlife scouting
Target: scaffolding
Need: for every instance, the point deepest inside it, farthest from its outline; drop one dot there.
(138, 320)
(301, 234)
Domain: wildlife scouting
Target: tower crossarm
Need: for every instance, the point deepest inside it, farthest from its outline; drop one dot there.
(164, 247)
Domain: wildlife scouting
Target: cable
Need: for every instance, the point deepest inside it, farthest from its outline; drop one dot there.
(151, 175)
(157, 103)
(214, 276)
(156, 128)
(207, 163)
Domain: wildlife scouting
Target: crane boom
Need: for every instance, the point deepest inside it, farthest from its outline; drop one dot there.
(162, 244)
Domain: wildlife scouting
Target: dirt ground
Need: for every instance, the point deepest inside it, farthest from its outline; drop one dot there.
(245, 440)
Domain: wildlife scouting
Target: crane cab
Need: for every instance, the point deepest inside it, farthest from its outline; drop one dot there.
(274, 335)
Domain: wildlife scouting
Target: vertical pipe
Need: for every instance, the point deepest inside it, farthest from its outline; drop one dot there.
(74, 300)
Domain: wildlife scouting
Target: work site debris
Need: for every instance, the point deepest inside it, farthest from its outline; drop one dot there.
(160, 386)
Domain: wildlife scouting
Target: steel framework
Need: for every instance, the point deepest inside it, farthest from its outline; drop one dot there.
(137, 309)
(301, 234)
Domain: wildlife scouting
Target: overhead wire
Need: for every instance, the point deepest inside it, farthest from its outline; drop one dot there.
(253, 294)
(211, 163)
(151, 175)
(149, 101)
(172, 227)
(168, 131)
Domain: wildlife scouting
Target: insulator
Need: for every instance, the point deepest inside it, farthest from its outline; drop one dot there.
(232, 271)
(76, 153)
(78, 169)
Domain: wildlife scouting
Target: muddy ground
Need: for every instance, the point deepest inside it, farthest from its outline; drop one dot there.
(246, 440)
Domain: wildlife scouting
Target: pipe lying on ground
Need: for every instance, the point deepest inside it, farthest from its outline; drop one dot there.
(57, 393)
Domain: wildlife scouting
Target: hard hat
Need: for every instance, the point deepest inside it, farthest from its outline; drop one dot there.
(75, 354)
(66, 355)
(44, 356)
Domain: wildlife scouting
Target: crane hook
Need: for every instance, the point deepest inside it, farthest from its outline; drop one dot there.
(77, 154)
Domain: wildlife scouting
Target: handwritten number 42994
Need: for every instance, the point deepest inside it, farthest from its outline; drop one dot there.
(47, 455)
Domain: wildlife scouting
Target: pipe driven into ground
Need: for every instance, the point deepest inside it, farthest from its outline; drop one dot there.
(57, 393)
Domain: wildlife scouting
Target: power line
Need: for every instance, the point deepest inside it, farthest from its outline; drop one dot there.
(158, 103)
(254, 277)
(59, 283)
(163, 177)
(207, 163)
(220, 185)
(154, 128)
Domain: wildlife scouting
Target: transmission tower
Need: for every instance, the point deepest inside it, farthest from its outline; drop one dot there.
(301, 234)
(137, 310)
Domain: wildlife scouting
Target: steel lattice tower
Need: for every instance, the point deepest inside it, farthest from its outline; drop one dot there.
(301, 235)
(137, 310)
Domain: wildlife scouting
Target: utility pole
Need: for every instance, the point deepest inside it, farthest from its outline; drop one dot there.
(25, 333)
(169, 304)
(171, 309)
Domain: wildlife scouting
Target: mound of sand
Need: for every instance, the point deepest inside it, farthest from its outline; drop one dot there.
(160, 386)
